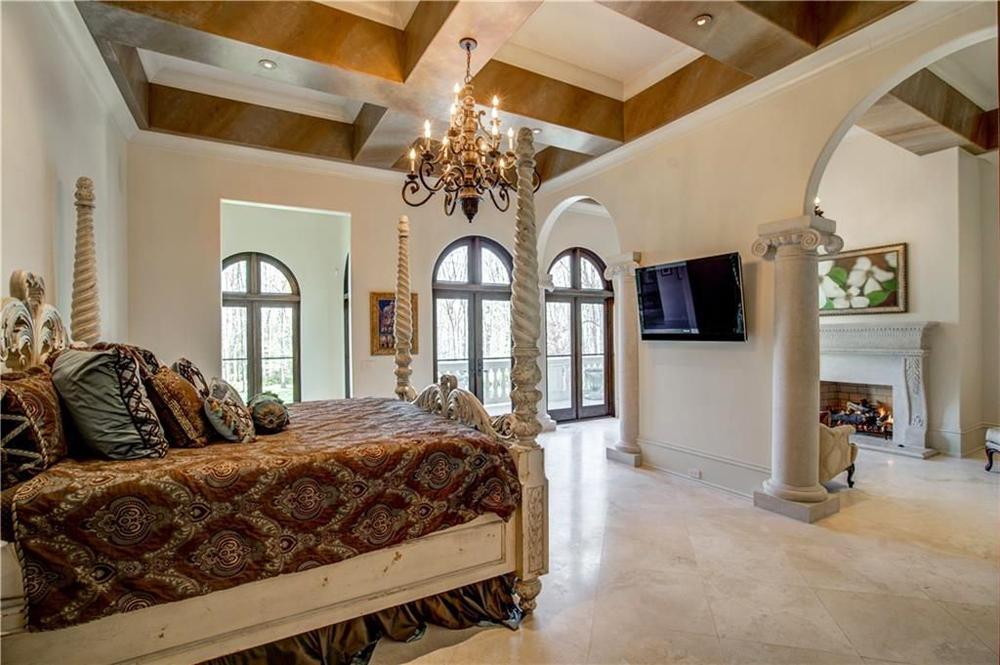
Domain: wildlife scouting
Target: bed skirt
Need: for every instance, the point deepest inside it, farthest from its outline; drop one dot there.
(352, 642)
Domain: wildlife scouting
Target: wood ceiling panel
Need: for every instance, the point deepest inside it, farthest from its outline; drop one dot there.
(924, 114)
(688, 89)
(202, 116)
(552, 161)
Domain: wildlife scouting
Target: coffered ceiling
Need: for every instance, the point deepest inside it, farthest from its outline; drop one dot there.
(353, 81)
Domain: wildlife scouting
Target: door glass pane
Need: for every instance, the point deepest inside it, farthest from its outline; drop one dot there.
(277, 333)
(495, 378)
(234, 277)
(590, 276)
(559, 346)
(591, 328)
(455, 266)
(562, 277)
(493, 269)
(452, 338)
(234, 348)
(272, 280)
(593, 380)
(557, 329)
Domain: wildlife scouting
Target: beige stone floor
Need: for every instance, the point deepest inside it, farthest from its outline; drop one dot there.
(650, 568)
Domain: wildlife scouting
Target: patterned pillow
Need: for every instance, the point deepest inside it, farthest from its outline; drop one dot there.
(32, 434)
(228, 414)
(148, 363)
(103, 392)
(180, 408)
(190, 371)
(269, 413)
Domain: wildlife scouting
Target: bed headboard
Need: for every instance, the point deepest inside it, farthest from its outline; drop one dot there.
(32, 328)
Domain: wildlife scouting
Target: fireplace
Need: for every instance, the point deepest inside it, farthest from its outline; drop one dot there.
(864, 406)
(877, 368)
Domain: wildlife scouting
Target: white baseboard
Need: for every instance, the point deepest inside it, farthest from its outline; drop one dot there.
(717, 471)
(959, 442)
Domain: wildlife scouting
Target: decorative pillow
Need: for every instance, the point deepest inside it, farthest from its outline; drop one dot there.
(269, 413)
(228, 414)
(190, 371)
(104, 394)
(32, 433)
(180, 408)
(148, 363)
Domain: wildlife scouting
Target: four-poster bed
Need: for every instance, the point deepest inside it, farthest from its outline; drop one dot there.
(257, 612)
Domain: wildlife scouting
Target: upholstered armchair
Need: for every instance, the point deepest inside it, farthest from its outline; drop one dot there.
(836, 453)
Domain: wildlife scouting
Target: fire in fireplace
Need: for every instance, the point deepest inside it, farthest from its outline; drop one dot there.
(866, 408)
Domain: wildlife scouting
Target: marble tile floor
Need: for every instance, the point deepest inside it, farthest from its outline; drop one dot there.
(647, 567)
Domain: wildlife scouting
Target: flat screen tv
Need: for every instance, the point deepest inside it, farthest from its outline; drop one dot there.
(698, 299)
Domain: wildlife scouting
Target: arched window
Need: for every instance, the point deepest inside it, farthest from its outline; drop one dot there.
(471, 289)
(260, 326)
(578, 342)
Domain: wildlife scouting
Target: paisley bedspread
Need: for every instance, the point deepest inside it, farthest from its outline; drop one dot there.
(100, 537)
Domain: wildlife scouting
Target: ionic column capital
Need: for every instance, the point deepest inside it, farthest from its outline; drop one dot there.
(622, 265)
(806, 233)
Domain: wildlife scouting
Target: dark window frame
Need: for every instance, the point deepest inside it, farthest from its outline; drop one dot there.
(575, 295)
(474, 291)
(253, 300)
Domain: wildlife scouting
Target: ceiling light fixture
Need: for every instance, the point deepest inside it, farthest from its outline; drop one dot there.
(703, 20)
(468, 161)
(267, 64)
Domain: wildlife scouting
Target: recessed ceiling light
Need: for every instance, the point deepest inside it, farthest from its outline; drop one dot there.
(703, 20)
(267, 64)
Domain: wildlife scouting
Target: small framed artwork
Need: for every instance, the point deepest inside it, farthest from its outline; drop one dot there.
(382, 308)
(863, 281)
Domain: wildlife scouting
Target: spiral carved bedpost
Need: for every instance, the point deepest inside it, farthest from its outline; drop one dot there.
(532, 557)
(403, 322)
(85, 317)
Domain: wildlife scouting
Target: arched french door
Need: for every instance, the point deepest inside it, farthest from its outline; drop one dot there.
(578, 344)
(472, 317)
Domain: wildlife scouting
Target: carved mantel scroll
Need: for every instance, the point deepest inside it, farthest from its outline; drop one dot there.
(32, 329)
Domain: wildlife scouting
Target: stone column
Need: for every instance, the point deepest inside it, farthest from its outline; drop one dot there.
(621, 271)
(793, 488)
(548, 425)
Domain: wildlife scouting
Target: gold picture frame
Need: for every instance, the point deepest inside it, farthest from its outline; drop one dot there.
(871, 280)
(381, 335)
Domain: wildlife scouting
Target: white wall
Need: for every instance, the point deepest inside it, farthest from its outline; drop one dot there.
(882, 194)
(314, 246)
(174, 248)
(55, 128)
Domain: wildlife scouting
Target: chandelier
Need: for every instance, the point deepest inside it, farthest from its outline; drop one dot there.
(468, 161)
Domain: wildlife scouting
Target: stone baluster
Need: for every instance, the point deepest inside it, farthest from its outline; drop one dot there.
(621, 272)
(548, 425)
(793, 488)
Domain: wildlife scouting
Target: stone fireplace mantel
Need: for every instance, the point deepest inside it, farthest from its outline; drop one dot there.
(892, 354)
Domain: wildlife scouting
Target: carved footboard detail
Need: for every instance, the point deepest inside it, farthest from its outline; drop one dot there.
(460, 405)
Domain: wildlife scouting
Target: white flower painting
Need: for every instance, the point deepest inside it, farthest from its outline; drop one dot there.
(869, 280)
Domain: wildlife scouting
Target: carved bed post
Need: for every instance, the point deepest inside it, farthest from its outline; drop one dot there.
(532, 555)
(85, 317)
(403, 322)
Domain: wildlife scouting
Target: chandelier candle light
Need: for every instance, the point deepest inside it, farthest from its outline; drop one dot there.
(468, 161)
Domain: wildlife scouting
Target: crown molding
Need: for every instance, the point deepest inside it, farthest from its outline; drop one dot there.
(244, 154)
(77, 38)
(882, 33)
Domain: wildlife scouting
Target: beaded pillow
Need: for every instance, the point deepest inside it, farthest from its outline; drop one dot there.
(33, 438)
(228, 414)
(180, 408)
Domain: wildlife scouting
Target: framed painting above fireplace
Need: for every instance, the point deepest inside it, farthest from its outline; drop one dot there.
(863, 281)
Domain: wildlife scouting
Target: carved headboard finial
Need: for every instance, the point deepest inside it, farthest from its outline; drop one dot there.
(31, 328)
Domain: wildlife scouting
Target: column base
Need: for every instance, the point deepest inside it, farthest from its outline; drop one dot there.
(624, 456)
(814, 494)
(548, 425)
(802, 511)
